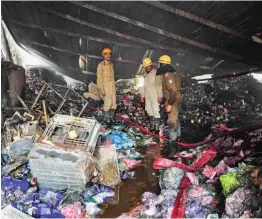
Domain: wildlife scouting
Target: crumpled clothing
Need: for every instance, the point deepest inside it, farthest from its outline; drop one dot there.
(221, 168)
(197, 192)
(131, 164)
(229, 182)
(193, 178)
(171, 178)
(209, 172)
(195, 209)
(121, 140)
(74, 211)
(235, 203)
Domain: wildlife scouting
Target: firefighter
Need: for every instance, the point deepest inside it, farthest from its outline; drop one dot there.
(93, 92)
(106, 84)
(152, 94)
(171, 85)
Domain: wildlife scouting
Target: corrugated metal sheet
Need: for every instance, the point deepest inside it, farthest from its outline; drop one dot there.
(188, 31)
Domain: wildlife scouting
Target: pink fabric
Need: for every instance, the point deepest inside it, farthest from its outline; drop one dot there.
(209, 172)
(193, 179)
(131, 164)
(73, 211)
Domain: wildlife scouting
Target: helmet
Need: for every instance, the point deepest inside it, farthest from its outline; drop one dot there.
(106, 50)
(165, 59)
(147, 62)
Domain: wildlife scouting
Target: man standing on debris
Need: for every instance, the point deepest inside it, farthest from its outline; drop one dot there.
(152, 94)
(171, 85)
(106, 84)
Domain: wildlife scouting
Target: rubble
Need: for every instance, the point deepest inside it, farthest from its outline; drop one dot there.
(72, 166)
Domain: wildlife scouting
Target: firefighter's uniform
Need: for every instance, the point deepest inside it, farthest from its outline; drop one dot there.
(171, 89)
(106, 81)
(171, 84)
(151, 91)
(93, 92)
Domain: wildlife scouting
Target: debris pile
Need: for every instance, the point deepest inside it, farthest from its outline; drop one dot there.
(58, 162)
(212, 179)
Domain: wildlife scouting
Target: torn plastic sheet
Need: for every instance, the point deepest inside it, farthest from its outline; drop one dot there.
(20, 147)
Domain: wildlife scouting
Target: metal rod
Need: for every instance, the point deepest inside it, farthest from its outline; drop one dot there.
(157, 30)
(67, 33)
(195, 18)
(23, 103)
(104, 29)
(54, 90)
(38, 96)
(45, 113)
(62, 103)
(76, 53)
(231, 75)
(83, 109)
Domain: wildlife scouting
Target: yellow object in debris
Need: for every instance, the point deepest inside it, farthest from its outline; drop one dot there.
(218, 118)
(192, 121)
(72, 134)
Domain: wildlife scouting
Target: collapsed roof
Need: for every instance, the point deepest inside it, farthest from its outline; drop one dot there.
(200, 37)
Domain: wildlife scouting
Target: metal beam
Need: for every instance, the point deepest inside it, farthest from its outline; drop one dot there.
(195, 18)
(76, 53)
(157, 30)
(116, 33)
(67, 33)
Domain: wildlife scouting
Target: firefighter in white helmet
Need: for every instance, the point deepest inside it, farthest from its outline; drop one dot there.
(152, 93)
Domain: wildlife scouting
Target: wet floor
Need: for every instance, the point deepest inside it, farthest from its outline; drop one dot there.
(146, 178)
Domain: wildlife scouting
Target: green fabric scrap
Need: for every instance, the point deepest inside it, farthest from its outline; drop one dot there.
(229, 182)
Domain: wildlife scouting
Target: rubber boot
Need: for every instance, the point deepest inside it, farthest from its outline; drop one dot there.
(172, 134)
(106, 117)
(112, 114)
(178, 129)
(152, 123)
(157, 124)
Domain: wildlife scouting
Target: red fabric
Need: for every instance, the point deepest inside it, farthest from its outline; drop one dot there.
(163, 163)
(193, 145)
(180, 203)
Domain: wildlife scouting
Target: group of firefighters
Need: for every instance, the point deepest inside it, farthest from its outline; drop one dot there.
(158, 83)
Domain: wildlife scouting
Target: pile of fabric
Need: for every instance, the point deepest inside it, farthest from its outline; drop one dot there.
(208, 180)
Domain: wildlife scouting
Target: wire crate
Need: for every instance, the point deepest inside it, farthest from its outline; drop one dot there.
(73, 131)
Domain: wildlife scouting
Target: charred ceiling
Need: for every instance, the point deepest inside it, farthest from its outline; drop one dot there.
(201, 37)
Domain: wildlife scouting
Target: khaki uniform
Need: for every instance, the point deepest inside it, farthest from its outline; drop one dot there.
(106, 81)
(93, 92)
(171, 86)
(151, 91)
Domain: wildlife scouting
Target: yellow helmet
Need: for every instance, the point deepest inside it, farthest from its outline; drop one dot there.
(165, 59)
(147, 62)
(106, 50)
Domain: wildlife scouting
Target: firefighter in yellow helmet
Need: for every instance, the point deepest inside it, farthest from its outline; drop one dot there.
(152, 93)
(171, 84)
(106, 84)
